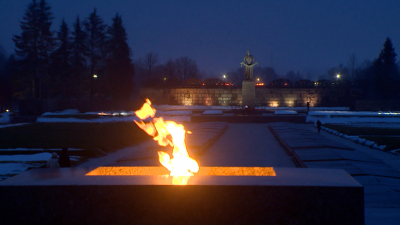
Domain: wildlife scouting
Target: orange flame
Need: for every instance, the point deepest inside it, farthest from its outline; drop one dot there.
(169, 133)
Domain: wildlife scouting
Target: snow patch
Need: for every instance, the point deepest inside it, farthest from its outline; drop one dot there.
(346, 117)
(175, 113)
(97, 120)
(212, 112)
(285, 112)
(25, 158)
(64, 112)
(5, 117)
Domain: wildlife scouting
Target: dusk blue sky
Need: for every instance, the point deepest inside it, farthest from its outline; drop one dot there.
(307, 35)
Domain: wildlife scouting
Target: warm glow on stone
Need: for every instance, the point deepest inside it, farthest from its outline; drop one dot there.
(203, 171)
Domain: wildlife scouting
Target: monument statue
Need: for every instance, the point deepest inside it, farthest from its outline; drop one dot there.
(248, 63)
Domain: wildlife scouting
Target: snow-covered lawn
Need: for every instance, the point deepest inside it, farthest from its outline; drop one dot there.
(5, 117)
(37, 149)
(76, 120)
(285, 112)
(44, 156)
(14, 164)
(212, 112)
(348, 117)
(203, 107)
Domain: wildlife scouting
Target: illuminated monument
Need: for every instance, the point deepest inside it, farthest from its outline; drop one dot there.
(248, 85)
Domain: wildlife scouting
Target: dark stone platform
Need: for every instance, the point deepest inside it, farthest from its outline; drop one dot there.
(249, 94)
(293, 196)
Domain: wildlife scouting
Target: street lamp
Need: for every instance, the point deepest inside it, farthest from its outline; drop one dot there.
(94, 76)
(337, 78)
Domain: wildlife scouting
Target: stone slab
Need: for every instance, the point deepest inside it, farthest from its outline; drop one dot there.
(383, 200)
(249, 94)
(388, 216)
(340, 164)
(300, 196)
(372, 185)
(376, 169)
(316, 155)
(393, 183)
(357, 156)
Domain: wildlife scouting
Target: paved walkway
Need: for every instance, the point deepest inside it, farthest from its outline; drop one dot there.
(376, 170)
(246, 145)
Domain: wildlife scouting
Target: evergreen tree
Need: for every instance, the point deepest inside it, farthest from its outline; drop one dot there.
(78, 60)
(95, 29)
(387, 55)
(61, 63)
(35, 44)
(120, 70)
(386, 73)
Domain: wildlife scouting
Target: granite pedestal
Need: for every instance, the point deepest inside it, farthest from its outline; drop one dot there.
(292, 196)
(249, 94)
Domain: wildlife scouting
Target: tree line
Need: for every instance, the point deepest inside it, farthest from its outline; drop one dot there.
(89, 60)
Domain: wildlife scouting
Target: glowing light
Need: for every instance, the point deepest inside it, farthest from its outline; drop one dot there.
(165, 78)
(94, 75)
(258, 79)
(224, 76)
(203, 171)
(7, 110)
(338, 76)
(172, 134)
(274, 104)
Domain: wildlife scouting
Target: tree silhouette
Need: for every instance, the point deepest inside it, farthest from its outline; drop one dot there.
(386, 74)
(120, 70)
(95, 29)
(61, 69)
(387, 55)
(79, 65)
(35, 44)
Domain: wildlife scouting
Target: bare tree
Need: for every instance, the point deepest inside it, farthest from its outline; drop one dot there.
(353, 61)
(150, 60)
(186, 68)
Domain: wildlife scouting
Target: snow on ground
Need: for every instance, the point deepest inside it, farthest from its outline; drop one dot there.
(192, 107)
(111, 113)
(177, 113)
(30, 158)
(356, 139)
(37, 149)
(25, 158)
(212, 112)
(172, 113)
(5, 117)
(97, 120)
(12, 168)
(285, 112)
(203, 107)
(64, 112)
(305, 108)
(12, 125)
(353, 117)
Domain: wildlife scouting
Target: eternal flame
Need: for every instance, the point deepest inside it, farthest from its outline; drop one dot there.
(248, 62)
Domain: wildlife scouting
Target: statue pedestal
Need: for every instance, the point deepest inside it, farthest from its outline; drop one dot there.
(249, 94)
